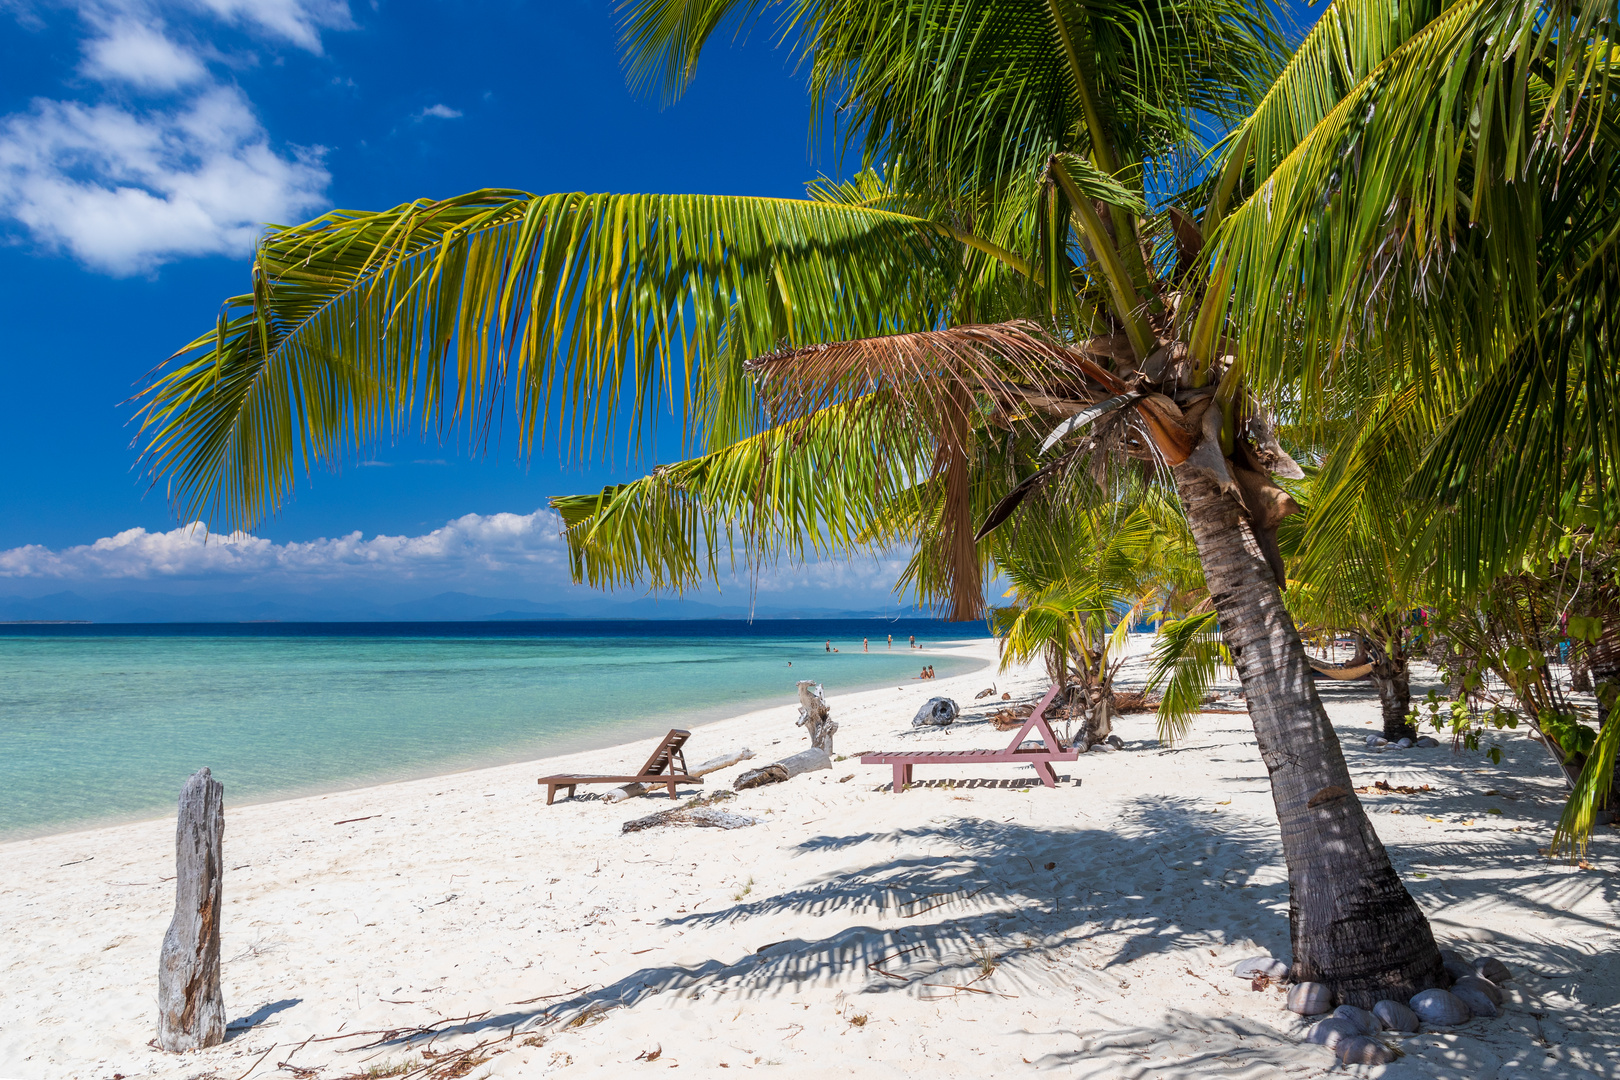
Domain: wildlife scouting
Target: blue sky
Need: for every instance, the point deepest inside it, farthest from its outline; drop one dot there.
(141, 143)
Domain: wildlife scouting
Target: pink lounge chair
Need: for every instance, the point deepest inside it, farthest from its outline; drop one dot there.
(1014, 754)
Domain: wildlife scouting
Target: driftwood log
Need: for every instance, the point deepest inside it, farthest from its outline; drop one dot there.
(778, 771)
(191, 1010)
(724, 761)
(814, 717)
(703, 817)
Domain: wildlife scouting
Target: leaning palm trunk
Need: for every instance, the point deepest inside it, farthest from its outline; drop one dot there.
(1393, 678)
(1580, 671)
(1392, 675)
(1351, 921)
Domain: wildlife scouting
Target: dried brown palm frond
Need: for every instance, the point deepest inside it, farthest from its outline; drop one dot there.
(1011, 363)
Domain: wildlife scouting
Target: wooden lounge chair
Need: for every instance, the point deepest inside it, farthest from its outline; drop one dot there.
(1042, 759)
(666, 767)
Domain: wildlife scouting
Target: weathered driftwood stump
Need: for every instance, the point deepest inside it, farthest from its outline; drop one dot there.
(191, 1010)
(813, 716)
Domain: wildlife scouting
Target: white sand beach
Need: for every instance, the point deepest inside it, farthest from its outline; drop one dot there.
(976, 925)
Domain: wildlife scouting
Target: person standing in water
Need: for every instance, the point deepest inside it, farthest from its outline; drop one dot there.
(864, 646)
(913, 641)
(829, 645)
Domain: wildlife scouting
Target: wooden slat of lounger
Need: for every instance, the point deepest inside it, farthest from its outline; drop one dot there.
(555, 784)
(671, 745)
(644, 778)
(970, 755)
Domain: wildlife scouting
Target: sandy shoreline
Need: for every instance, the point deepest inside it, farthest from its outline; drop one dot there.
(848, 932)
(628, 736)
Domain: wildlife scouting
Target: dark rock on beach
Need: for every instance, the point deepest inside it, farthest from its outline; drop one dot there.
(1331, 1032)
(1484, 986)
(1478, 1002)
(1366, 1023)
(1440, 1008)
(1364, 1051)
(938, 712)
(1396, 1017)
(1310, 998)
(1459, 968)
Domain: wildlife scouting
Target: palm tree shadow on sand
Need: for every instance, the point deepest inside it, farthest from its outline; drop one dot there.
(1078, 905)
(1018, 894)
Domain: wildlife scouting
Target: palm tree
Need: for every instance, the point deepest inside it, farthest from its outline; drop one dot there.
(1352, 571)
(1079, 577)
(1016, 145)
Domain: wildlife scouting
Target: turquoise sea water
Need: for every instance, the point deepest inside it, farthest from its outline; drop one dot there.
(102, 724)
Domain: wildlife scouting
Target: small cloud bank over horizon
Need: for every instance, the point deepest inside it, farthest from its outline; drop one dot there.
(501, 565)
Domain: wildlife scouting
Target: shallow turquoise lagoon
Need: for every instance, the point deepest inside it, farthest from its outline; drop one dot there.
(98, 727)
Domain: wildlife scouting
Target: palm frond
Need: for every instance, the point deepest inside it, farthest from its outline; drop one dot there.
(589, 311)
(1187, 655)
(1414, 206)
(662, 39)
(812, 487)
(1593, 791)
(1348, 40)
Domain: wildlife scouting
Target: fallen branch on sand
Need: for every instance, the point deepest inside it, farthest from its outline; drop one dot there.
(877, 965)
(1383, 786)
(706, 817)
(1134, 701)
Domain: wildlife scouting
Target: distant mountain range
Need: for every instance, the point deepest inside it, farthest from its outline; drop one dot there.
(133, 606)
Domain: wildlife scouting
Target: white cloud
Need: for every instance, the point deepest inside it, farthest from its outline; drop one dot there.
(141, 55)
(440, 111)
(864, 576)
(125, 191)
(297, 21)
(524, 547)
(125, 187)
(496, 552)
